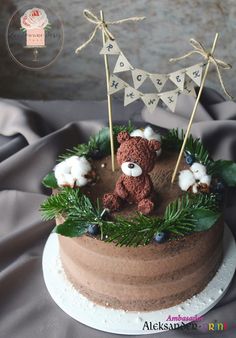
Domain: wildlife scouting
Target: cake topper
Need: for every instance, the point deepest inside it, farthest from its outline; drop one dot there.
(183, 79)
(209, 56)
(106, 35)
(136, 156)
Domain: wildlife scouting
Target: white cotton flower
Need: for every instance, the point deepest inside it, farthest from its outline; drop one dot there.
(194, 177)
(198, 170)
(150, 134)
(73, 171)
(206, 179)
(137, 132)
(186, 179)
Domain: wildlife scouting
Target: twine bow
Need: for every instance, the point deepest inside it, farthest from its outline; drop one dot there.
(102, 25)
(199, 49)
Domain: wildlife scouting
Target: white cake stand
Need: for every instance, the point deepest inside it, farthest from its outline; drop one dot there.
(132, 323)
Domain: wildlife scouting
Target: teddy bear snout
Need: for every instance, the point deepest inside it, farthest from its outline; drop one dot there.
(131, 169)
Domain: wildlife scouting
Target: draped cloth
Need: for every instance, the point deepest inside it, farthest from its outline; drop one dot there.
(32, 135)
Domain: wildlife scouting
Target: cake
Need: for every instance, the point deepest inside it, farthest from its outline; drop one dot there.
(139, 254)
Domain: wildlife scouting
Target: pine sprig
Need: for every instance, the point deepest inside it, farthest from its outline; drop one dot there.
(181, 217)
(99, 142)
(225, 170)
(173, 140)
(70, 202)
(139, 230)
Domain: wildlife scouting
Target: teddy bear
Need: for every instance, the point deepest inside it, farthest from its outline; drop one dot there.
(136, 157)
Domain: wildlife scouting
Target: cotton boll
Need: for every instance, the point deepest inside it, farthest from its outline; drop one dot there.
(206, 179)
(81, 181)
(85, 164)
(61, 168)
(198, 170)
(137, 132)
(186, 180)
(74, 169)
(72, 160)
(65, 180)
(195, 188)
(150, 134)
(80, 168)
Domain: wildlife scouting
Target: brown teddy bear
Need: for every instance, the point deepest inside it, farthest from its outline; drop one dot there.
(137, 157)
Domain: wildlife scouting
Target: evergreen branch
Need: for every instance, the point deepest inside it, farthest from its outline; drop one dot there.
(139, 230)
(99, 142)
(173, 140)
(181, 217)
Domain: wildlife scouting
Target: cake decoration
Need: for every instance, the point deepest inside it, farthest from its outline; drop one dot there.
(149, 134)
(195, 179)
(187, 214)
(75, 171)
(148, 244)
(136, 156)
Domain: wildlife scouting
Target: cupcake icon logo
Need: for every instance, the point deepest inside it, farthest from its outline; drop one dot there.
(35, 37)
(34, 23)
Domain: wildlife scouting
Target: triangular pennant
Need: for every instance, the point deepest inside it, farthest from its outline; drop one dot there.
(170, 99)
(151, 101)
(110, 48)
(131, 95)
(158, 80)
(122, 64)
(116, 84)
(195, 73)
(189, 88)
(178, 78)
(139, 76)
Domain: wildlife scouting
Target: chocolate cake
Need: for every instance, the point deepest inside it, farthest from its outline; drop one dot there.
(147, 277)
(158, 244)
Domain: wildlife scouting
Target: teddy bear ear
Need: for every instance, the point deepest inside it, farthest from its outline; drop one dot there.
(154, 145)
(123, 136)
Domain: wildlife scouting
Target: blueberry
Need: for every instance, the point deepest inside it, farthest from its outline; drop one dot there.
(96, 154)
(160, 237)
(93, 229)
(189, 159)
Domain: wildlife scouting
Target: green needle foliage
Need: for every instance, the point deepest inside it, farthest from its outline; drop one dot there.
(226, 170)
(183, 216)
(100, 141)
(173, 141)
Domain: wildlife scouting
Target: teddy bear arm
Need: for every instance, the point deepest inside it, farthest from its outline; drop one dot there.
(120, 188)
(147, 188)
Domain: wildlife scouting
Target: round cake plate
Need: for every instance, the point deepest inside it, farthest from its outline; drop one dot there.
(129, 322)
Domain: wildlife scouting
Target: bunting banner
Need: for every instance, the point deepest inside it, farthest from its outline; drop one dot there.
(111, 48)
(139, 76)
(116, 84)
(151, 100)
(158, 80)
(122, 64)
(180, 78)
(184, 80)
(131, 95)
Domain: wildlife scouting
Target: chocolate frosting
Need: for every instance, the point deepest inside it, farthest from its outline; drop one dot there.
(148, 277)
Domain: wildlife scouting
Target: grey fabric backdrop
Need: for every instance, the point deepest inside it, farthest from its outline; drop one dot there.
(33, 134)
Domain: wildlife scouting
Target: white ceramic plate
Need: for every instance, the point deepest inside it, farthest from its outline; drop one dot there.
(132, 323)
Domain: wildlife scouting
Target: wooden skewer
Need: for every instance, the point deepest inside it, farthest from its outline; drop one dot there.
(194, 111)
(109, 100)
